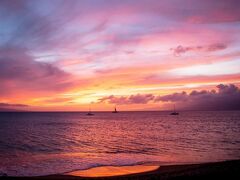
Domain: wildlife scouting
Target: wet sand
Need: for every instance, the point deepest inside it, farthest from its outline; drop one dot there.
(218, 170)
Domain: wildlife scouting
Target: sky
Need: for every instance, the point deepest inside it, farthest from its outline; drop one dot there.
(67, 55)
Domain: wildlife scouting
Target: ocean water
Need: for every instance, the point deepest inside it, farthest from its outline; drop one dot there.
(34, 144)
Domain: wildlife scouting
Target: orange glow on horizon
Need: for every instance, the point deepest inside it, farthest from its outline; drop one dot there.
(107, 171)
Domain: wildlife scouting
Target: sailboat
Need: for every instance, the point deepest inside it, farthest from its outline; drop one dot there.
(89, 112)
(174, 111)
(115, 110)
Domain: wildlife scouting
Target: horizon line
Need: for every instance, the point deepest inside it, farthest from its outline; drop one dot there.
(22, 111)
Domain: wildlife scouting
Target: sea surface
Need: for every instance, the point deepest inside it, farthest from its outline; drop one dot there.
(34, 144)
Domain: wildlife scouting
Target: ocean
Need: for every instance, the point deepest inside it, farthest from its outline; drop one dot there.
(43, 143)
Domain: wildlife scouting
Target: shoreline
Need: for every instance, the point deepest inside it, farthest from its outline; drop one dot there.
(110, 171)
(225, 169)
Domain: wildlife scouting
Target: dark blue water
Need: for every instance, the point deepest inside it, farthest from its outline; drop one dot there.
(48, 143)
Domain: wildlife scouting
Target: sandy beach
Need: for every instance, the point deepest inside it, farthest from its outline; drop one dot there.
(223, 170)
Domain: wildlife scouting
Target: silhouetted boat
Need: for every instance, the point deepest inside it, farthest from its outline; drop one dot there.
(89, 113)
(115, 110)
(174, 112)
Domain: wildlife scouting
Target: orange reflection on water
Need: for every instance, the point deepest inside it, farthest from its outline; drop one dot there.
(105, 171)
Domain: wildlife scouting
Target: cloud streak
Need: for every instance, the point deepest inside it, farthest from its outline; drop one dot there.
(132, 99)
(179, 50)
(6, 105)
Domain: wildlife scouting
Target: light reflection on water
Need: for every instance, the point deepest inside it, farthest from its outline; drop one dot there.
(30, 143)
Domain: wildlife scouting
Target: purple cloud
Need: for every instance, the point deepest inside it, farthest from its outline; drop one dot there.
(133, 99)
(216, 47)
(179, 50)
(9, 107)
(19, 71)
(173, 97)
(6, 105)
(227, 97)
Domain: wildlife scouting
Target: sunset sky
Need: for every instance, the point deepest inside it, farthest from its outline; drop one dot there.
(136, 54)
